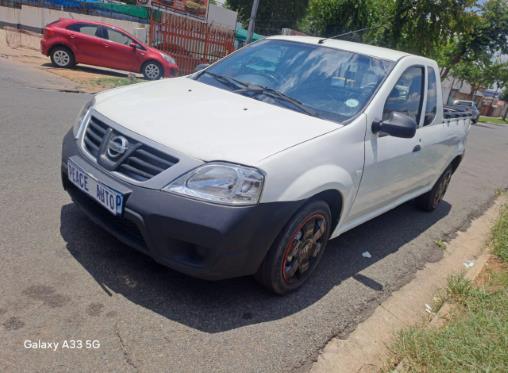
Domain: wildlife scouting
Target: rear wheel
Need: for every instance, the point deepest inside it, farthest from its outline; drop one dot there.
(62, 57)
(152, 70)
(430, 200)
(298, 249)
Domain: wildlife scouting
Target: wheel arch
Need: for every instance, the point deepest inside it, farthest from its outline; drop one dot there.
(61, 45)
(151, 60)
(456, 162)
(335, 201)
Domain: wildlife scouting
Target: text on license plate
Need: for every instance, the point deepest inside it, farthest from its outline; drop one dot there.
(107, 197)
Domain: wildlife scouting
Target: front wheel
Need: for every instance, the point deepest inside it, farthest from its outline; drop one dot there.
(430, 200)
(62, 57)
(298, 249)
(152, 70)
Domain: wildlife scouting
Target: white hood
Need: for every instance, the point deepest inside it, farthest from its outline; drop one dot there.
(208, 123)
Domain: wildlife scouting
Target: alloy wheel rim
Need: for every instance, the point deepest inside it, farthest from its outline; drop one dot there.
(304, 247)
(61, 58)
(152, 71)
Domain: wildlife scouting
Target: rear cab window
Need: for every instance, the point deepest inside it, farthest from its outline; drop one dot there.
(431, 107)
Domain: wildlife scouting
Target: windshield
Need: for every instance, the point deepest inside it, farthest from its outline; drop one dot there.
(316, 80)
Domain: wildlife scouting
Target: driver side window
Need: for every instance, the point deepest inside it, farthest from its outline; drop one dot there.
(407, 95)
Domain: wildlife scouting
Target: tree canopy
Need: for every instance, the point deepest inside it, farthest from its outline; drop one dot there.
(464, 36)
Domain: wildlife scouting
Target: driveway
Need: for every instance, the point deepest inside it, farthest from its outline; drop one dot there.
(63, 278)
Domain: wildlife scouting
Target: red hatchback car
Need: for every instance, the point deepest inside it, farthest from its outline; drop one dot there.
(70, 41)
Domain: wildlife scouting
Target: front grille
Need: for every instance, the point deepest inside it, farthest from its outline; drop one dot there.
(141, 163)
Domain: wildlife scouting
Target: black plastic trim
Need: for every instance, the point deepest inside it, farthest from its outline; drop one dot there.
(200, 239)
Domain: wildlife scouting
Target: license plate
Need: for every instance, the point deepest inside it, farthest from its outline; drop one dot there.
(107, 197)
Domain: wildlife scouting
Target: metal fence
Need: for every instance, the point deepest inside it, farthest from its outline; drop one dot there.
(189, 41)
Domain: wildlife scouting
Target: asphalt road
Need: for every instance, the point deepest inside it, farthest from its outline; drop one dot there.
(62, 278)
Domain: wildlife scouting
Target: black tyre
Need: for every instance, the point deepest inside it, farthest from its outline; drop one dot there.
(62, 57)
(430, 200)
(152, 70)
(298, 249)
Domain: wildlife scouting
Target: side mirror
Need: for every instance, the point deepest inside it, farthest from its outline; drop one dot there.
(397, 124)
(133, 45)
(201, 66)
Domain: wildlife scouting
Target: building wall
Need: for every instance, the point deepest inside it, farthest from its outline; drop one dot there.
(218, 15)
(34, 19)
(9, 16)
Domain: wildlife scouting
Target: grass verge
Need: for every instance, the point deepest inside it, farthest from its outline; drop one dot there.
(500, 236)
(112, 82)
(492, 120)
(476, 336)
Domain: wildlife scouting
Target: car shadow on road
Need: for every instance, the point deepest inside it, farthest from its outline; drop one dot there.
(224, 305)
(93, 70)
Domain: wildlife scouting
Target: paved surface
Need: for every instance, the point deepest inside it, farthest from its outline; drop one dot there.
(62, 278)
(24, 49)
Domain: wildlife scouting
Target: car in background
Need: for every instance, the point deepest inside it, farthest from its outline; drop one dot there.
(69, 41)
(470, 106)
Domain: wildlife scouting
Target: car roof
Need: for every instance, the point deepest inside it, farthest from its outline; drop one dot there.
(366, 49)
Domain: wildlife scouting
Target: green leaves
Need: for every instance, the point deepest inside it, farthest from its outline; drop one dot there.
(462, 35)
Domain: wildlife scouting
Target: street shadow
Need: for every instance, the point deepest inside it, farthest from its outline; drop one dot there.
(224, 305)
(93, 70)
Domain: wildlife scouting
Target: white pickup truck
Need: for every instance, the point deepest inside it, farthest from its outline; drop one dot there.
(251, 165)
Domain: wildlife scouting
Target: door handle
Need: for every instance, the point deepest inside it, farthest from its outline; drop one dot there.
(72, 37)
(106, 45)
(417, 148)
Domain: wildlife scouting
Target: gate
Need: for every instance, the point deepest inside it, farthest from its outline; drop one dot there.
(191, 42)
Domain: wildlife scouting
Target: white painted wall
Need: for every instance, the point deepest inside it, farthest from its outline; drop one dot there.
(9, 15)
(219, 15)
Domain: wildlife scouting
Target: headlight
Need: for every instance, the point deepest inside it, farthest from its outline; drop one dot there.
(218, 182)
(169, 59)
(82, 118)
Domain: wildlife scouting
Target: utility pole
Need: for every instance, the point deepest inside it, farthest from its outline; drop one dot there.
(252, 21)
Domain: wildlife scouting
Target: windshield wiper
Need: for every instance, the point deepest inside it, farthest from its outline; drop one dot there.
(227, 80)
(260, 90)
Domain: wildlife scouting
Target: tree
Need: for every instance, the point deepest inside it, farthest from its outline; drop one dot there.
(482, 74)
(504, 97)
(272, 15)
(423, 27)
(449, 31)
(333, 17)
(499, 74)
(482, 31)
(476, 74)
